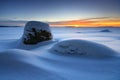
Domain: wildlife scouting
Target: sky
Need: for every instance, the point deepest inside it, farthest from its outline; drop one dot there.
(61, 12)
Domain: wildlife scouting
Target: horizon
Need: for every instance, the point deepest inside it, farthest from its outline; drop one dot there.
(90, 22)
(77, 13)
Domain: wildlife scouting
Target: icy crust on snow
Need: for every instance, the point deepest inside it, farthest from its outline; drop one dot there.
(82, 48)
(35, 32)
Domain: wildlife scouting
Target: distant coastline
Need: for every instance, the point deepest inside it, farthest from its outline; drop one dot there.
(9, 26)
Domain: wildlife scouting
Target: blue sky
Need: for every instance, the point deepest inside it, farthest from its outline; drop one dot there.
(57, 10)
(17, 12)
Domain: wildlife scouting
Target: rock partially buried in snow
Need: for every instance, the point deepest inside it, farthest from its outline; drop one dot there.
(105, 30)
(82, 48)
(35, 32)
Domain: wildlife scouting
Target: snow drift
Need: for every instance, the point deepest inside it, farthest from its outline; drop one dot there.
(16, 64)
(82, 48)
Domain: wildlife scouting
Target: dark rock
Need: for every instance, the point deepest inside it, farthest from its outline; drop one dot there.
(105, 30)
(36, 32)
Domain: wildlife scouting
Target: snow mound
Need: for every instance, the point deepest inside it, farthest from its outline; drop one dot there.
(105, 30)
(82, 48)
(19, 64)
(13, 54)
(35, 32)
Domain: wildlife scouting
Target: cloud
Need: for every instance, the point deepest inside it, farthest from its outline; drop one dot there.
(90, 22)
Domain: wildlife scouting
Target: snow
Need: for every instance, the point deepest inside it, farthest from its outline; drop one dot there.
(38, 25)
(18, 64)
(19, 61)
(82, 48)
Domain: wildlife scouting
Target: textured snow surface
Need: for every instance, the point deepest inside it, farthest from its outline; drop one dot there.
(82, 48)
(19, 64)
(37, 62)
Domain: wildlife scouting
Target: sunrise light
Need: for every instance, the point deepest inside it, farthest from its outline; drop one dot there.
(88, 23)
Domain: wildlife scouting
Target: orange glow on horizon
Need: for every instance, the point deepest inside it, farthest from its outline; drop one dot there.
(89, 23)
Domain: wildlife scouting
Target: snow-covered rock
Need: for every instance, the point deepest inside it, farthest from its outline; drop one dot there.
(35, 32)
(82, 48)
(105, 30)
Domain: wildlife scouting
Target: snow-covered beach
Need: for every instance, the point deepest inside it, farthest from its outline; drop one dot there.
(38, 62)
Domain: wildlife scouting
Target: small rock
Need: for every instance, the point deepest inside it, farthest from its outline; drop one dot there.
(105, 30)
